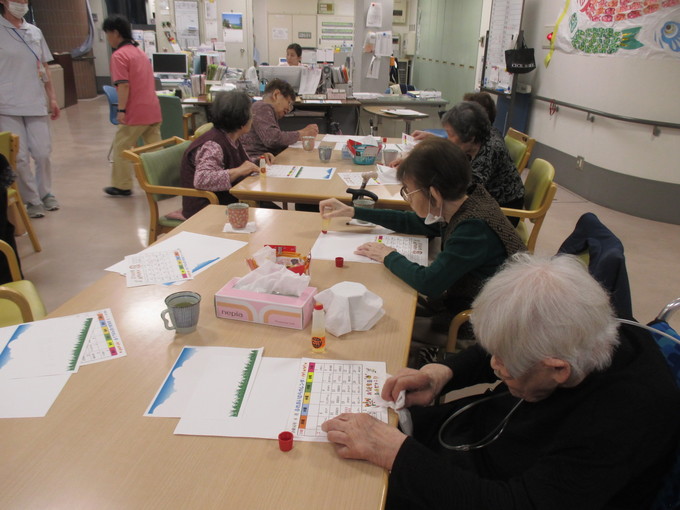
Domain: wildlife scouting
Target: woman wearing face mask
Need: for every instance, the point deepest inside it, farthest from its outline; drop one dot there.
(476, 236)
(27, 102)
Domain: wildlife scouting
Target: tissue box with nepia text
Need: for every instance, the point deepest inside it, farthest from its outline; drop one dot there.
(276, 310)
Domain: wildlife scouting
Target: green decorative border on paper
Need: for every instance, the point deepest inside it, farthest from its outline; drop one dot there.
(79, 346)
(243, 385)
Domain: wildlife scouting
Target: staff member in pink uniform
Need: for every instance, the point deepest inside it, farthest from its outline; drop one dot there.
(139, 112)
(26, 97)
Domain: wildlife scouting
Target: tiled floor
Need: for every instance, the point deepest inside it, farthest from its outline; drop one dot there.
(92, 231)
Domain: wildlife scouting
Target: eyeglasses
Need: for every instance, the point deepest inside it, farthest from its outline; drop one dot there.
(406, 195)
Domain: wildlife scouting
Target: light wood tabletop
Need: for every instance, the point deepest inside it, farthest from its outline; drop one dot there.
(95, 449)
(312, 191)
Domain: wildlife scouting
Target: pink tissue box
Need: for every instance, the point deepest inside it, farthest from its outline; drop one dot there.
(284, 311)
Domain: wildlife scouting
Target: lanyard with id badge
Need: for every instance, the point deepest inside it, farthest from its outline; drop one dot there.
(42, 73)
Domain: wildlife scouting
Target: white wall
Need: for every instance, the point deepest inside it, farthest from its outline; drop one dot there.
(643, 88)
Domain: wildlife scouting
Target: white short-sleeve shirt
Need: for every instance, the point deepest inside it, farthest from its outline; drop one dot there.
(22, 91)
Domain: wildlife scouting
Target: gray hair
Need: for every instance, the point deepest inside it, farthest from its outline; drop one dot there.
(469, 121)
(537, 308)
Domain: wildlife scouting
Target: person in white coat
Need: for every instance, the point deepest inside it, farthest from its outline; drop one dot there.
(27, 99)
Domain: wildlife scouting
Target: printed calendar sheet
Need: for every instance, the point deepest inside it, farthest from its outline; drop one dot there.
(148, 268)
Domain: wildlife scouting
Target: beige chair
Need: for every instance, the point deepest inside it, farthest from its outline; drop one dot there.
(19, 299)
(16, 210)
(157, 167)
(520, 147)
(203, 128)
(539, 191)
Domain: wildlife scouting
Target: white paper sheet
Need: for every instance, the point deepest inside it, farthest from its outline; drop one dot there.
(47, 347)
(297, 395)
(403, 111)
(337, 138)
(148, 268)
(31, 397)
(201, 251)
(193, 363)
(374, 69)
(344, 244)
(309, 81)
(383, 44)
(300, 172)
(374, 15)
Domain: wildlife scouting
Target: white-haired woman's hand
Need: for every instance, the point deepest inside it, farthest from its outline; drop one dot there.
(421, 386)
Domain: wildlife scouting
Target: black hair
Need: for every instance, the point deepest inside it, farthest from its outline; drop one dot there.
(282, 86)
(469, 121)
(231, 110)
(120, 24)
(485, 100)
(296, 47)
(439, 163)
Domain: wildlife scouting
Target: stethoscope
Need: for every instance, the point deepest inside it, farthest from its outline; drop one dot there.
(486, 440)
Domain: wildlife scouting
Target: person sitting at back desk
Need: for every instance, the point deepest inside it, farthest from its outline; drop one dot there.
(266, 134)
(585, 417)
(293, 54)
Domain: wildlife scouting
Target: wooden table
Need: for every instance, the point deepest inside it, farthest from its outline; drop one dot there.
(94, 449)
(312, 191)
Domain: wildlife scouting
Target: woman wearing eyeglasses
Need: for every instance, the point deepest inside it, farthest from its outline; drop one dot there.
(476, 237)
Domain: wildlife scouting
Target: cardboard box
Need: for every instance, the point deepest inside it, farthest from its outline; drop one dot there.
(284, 311)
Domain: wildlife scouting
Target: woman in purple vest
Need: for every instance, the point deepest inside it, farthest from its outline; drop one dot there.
(216, 160)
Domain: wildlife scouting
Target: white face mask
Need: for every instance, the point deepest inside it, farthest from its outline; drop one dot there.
(17, 10)
(431, 218)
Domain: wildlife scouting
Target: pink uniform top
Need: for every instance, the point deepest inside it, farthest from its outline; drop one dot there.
(130, 65)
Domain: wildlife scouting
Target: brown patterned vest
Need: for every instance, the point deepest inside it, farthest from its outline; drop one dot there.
(481, 206)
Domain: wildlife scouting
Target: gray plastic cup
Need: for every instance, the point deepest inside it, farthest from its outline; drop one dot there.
(182, 310)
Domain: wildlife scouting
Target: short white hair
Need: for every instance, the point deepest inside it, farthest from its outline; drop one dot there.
(536, 308)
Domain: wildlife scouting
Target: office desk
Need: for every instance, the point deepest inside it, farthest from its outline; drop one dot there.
(94, 449)
(312, 191)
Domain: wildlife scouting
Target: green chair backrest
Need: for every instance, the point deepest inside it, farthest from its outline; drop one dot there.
(516, 149)
(162, 167)
(541, 175)
(171, 110)
(5, 143)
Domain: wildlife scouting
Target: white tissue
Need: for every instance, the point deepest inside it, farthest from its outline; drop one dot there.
(405, 421)
(350, 306)
(271, 278)
(264, 254)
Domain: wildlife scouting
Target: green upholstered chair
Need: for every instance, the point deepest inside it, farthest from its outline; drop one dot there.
(157, 167)
(539, 191)
(175, 121)
(19, 299)
(520, 147)
(9, 147)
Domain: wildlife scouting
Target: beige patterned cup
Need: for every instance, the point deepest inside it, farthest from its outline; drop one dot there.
(237, 213)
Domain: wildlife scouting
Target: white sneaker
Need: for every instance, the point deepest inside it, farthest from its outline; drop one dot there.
(50, 202)
(35, 210)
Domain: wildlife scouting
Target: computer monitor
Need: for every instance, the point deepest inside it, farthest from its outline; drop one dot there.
(170, 63)
(290, 74)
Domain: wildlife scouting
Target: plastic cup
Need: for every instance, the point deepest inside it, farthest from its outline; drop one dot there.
(390, 155)
(286, 441)
(366, 203)
(308, 143)
(325, 153)
(237, 213)
(182, 310)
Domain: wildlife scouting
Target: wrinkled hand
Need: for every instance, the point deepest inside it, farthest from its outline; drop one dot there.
(246, 168)
(360, 436)
(333, 208)
(309, 130)
(120, 117)
(374, 251)
(422, 386)
(396, 162)
(268, 158)
(421, 135)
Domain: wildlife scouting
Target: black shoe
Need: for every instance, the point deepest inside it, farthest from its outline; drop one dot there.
(117, 192)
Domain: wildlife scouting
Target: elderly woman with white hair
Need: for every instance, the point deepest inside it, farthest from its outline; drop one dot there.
(586, 414)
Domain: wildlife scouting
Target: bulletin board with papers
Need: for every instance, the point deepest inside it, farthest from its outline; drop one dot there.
(504, 27)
